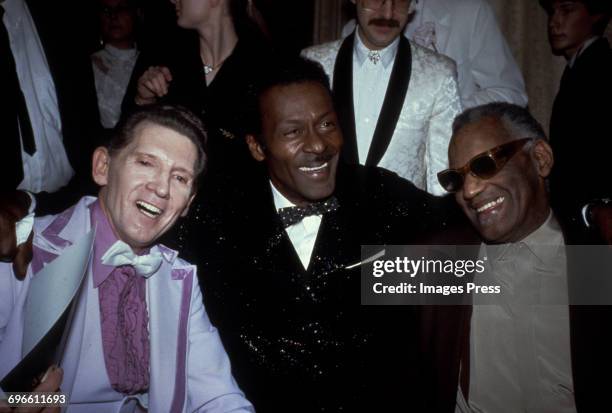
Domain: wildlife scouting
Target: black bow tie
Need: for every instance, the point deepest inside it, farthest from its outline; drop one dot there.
(292, 215)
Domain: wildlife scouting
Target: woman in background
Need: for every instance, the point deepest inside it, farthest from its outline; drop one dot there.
(208, 68)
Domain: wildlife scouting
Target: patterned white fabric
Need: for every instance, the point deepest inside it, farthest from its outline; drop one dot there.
(419, 146)
(368, 97)
(112, 69)
(467, 31)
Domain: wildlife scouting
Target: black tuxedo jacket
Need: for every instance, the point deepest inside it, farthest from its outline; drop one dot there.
(447, 330)
(66, 40)
(580, 131)
(298, 339)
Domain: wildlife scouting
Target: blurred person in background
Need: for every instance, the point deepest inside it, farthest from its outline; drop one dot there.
(580, 121)
(113, 64)
(207, 68)
(50, 121)
(467, 32)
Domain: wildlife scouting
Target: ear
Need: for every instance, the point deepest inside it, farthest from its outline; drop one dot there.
(100, 166)
(186, 210)
(543, 157)
(255, 148)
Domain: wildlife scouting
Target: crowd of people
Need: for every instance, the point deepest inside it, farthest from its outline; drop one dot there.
(267, 172)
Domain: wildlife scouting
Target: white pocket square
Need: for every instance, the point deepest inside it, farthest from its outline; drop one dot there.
(376, 256)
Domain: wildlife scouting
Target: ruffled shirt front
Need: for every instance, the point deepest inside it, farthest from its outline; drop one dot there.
(123, 314)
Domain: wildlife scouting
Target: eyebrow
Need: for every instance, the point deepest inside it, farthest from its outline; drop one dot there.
(301, 120)
(191, 173)
(326, 114)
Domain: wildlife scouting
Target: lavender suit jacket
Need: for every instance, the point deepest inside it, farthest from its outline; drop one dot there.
(189, 368)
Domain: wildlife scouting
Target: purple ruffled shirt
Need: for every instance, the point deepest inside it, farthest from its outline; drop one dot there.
(123, 314)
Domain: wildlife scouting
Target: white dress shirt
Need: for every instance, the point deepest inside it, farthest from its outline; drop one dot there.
(467, 31)
(48, 169)
(112, 69)
(520, 359)
(370, 82)
(303, 234)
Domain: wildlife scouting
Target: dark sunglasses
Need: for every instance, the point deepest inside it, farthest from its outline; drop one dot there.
(485, 165)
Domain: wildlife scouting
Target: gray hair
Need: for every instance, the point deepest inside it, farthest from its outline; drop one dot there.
(516, 120)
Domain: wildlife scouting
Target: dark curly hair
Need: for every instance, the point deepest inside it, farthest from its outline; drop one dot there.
(283, 71)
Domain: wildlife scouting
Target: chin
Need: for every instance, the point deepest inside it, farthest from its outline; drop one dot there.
(321, 195)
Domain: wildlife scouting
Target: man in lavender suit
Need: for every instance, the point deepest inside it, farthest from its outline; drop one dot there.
(140, 339)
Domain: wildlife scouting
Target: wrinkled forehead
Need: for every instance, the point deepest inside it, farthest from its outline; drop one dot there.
(476, 138)
(164, 143)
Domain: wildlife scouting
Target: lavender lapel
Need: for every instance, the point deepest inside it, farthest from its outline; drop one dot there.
(169, 297)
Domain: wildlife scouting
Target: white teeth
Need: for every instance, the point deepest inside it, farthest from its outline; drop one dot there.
(314, 169)
(148, 209)
(491, 204)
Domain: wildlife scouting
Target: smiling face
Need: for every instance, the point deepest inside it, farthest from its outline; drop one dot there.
(147, 185)
(569, 26)
(379, 28)
(513, 203)
(300, 141)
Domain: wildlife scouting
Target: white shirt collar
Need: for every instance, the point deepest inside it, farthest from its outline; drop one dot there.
(581, 50)
(387, 55)
(121, 54)
(539, 242)
(279, 199)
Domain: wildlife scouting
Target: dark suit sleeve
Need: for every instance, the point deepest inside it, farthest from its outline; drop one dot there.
(128, 106)
(68, 41)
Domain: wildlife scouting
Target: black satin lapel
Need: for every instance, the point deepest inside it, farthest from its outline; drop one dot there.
(343, 97)
(393, 103)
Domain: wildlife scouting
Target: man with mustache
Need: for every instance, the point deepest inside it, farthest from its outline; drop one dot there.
(280, 261)
(467, 31)
(396, 100)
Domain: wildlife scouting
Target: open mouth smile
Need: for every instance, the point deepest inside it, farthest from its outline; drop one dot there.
(491, 205)
(149, 210)
(314, 169)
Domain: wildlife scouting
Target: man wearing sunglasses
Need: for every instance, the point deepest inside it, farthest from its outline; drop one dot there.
(518, 357)
(396, 100)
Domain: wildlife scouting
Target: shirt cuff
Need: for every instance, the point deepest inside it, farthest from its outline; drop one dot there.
(23, 228)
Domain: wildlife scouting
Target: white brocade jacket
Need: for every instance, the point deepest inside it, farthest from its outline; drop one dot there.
(418, 149)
